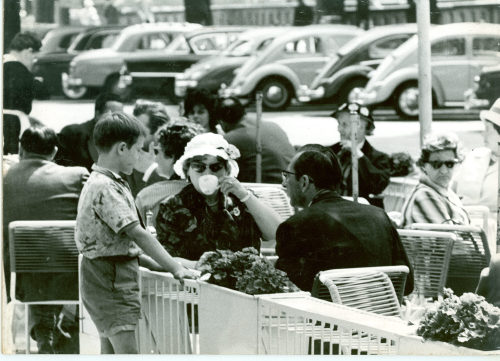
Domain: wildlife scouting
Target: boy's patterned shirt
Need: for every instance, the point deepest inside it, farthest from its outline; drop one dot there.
(106, 209)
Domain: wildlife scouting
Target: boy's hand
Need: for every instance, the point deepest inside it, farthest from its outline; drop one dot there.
(182, 273)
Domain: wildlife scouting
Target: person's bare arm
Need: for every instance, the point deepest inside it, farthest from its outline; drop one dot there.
(153, 248)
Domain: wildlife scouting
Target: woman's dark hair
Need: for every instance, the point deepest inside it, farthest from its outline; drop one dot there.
(321, 166)
(175, 137)
(117, 127)
(438, 142)
(25, 40)
(230, 110)
(201, 97)
(39, 140)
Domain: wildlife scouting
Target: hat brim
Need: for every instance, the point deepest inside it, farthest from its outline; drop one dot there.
(361, 116)
(201, 151)
(489, 116)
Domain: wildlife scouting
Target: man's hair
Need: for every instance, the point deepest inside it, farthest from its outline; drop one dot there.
(320, 165)
(39, 140)
(143, 106)
(173, 139)
(102, 99)
(201, 97)
(230, 111)
(117, 127)
(25, 40)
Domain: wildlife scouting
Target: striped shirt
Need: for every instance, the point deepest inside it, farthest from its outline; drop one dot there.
(430, 203)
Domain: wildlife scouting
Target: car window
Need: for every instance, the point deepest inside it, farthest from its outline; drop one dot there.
(486, 45)
(210, 42)
(153, 41)
(66, 41)
(80, 45)
(449, 47)
(99, 41)
(307, 45)
(383, 47)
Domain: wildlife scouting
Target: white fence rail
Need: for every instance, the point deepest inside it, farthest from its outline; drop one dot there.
(200, 318)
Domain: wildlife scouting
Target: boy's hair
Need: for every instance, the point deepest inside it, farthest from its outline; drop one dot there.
(174, 138)
(102, 99)
(25, 40)
(39, 140)
(117, 127)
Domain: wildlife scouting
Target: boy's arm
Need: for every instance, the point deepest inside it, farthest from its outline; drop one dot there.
(153, 248)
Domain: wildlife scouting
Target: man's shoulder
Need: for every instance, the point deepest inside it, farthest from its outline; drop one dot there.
(78, 128)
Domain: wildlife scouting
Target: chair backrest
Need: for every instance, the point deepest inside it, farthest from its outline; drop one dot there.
(43, 246)
(396, 192)
(470, 254)
(367, 289)
(397, 275)
(429, 253)
(478, 216)
(274, 196)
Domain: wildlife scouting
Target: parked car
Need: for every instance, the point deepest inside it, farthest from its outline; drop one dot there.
(59, 39)
(212, 72)
(348, 71)
(290, 60)
(100, 68)
(486, 89)
(154, 74)
(458, 52)
(51, 66)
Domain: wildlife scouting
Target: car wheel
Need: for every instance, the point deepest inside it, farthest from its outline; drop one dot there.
(406, 100)
(276, 94)
(350, 89)
(74, 93)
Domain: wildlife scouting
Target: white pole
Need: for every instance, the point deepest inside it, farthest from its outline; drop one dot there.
(354, 154)
(424, 68)
(258, 142)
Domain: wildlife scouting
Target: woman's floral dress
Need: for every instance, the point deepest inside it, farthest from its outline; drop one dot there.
(187, 228)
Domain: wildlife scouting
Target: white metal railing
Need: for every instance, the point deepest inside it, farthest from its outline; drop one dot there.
(169, 315)
(277, 324)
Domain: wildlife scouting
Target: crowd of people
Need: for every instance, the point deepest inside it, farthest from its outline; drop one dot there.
(188, 170)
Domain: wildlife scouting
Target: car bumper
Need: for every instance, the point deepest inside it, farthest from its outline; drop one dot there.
(70, 81)
(305, 94)
(473, 102)
(182, 85)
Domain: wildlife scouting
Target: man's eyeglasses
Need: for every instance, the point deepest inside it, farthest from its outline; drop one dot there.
(200, 167)
(437, 164)
(285, 174)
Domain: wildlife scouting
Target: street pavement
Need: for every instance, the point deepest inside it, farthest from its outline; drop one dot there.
(305, 124)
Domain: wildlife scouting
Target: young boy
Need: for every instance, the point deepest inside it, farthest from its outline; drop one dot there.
(108, 233)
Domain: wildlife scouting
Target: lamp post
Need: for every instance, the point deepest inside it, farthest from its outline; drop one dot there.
(424, 69)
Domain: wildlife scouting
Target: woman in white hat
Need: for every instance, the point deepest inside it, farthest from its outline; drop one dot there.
(214, 211)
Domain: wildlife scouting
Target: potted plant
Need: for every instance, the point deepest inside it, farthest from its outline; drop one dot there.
(468, 321)
(229, 300)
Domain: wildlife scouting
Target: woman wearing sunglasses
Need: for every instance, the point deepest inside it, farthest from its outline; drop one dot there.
(214, 211)
(433, 201)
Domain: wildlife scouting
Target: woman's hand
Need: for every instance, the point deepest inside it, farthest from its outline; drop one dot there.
(232, 185)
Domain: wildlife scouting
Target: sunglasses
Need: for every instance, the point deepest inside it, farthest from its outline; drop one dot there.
(201, 167)
(437, 164)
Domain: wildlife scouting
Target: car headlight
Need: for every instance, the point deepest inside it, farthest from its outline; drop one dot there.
(123, 70)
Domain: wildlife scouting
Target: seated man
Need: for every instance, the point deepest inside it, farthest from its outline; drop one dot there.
(76, 145)
(331, 232)
(38, 189)
(240, 131)
(373, 166)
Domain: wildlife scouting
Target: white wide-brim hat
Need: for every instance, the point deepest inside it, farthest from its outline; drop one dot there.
(209, 144)
(492, 115)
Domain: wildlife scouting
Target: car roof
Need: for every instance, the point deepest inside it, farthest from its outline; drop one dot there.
(465, 28)
(147, 27)
(215, 29)
(318, 29)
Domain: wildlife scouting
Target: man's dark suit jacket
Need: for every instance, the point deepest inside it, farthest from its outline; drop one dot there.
(336, 233)
(36, 189)
(76, 145)
(373, 171)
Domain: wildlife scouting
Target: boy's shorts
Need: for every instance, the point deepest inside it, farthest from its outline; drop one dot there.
(110, 293)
